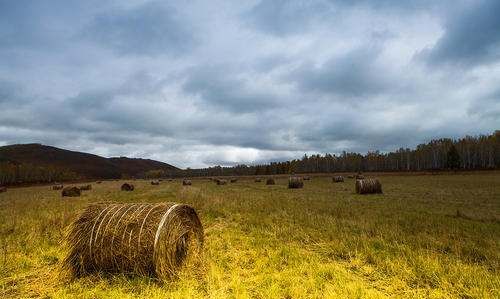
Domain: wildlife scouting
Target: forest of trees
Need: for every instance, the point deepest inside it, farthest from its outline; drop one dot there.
(468, 153)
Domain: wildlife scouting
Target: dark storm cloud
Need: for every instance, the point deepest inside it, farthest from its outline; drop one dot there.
(150, 29)
(487, 107)
(10, 92)
(471, 38)
(38, 25)
(283, 17)
(221, 87)
(201, 82)
(410, 5)
(354, 74)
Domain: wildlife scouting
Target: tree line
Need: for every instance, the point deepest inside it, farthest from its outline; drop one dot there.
(16, 173)
(468, 153)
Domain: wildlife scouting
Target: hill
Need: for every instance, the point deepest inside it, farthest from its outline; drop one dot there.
(136, 166)
(83, 165)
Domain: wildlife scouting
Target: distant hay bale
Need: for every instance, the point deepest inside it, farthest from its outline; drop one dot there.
(86, 187)
(338, 179)
(295, 182)
(57, 187)
(221, 182)
(270, 181)
(144, 239)
(127, 187)
(186, 182)
(155, 183)
(71, 192)
(368, 186)
(3, 189)
(306, 178)
(258, 180)
(233, 180)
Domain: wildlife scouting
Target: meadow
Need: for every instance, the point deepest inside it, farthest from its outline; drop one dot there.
(426, 236)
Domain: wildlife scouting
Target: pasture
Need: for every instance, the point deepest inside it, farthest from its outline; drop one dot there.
(427, 236)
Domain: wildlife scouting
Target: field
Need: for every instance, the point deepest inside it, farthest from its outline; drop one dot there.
(428, 236)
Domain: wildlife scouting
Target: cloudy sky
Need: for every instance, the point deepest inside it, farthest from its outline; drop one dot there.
(198, 83)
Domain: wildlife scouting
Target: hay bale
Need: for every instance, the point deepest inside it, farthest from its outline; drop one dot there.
(127, 187)
(233, 180)
(258, 180)
(270, 181)
(57, 187)
(85, 187)
(221, 182)
(71, 192)
(295, 182)
(186, 182)
(368, 186)
(338, 179)
(132, 238)
(155, 183)
(3, 189)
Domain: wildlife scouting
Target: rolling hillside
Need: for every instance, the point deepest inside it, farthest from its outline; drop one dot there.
(85, 165)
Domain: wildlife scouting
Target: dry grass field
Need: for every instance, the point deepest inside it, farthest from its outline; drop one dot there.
(427, 236)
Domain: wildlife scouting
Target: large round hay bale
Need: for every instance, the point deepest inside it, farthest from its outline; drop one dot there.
(3, 189)
(368, 186)
(270, 181)
(127, 187)
(133, 238)
(155, 182)
(85, 187)
(57, 187)
(186, 182)
(71, 192)
(295, 182)
(221, 182)
(338, 179)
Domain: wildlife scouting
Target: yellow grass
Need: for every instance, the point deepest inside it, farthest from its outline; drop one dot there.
(426, 236)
